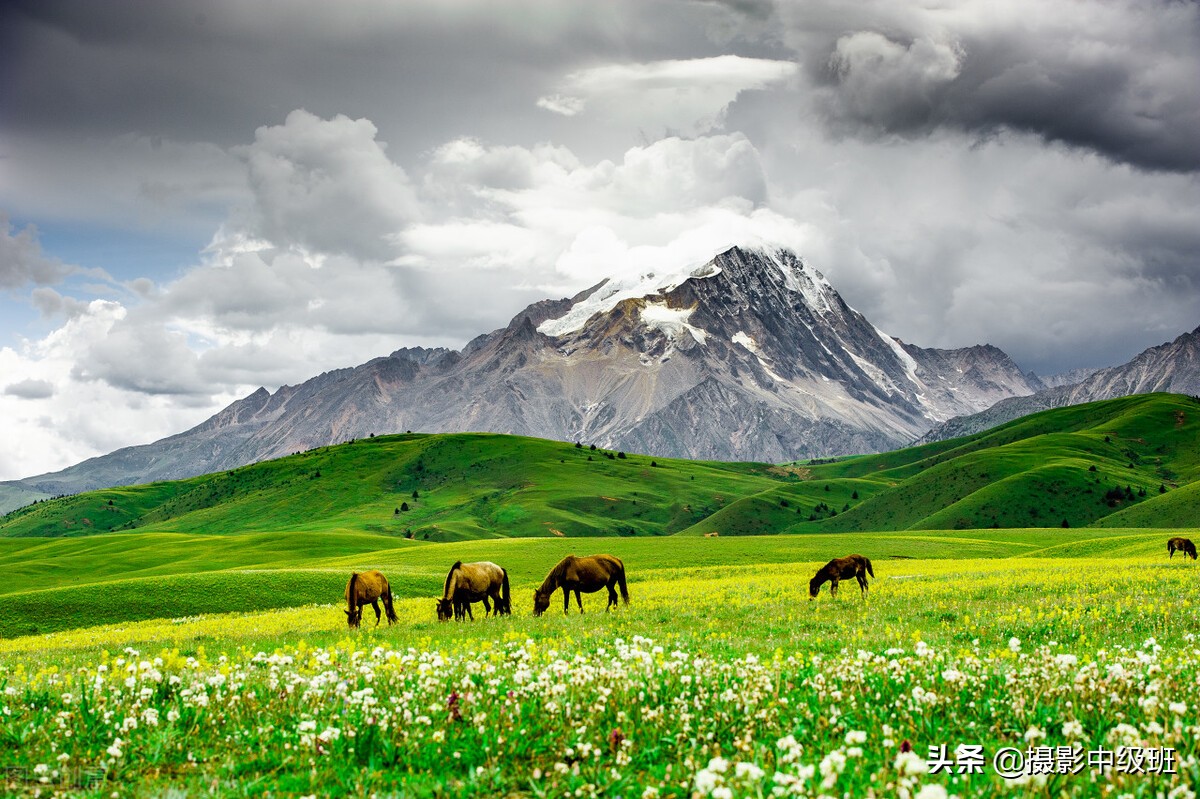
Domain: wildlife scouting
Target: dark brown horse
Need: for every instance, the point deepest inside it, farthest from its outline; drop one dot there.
(587, 575)
(367, 589)
(474, 582)
(1184, 545)
(841, 569)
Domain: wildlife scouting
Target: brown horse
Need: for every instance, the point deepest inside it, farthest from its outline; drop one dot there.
(474, 582)
(367, 589)
(1184, 545)
(841, 569)
(588, 575)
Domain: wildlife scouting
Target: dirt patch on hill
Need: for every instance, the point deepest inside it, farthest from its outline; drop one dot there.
(802, 472)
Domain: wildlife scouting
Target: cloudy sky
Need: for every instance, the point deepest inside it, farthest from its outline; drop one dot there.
(198, 199)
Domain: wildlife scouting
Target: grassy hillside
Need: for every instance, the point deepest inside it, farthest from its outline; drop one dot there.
(424, 487)
(1125, 462)
(1111, 463)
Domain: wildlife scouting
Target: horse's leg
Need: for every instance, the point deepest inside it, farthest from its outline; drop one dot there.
(487, 607)
(612, 599)
(375, 605)
(566, 601)
(833, 584)
(579, 600)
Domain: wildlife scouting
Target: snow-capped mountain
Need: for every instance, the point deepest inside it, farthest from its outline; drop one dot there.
(750, 356)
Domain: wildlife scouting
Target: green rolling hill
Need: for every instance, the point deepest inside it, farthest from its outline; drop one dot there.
(1127, 462)
(423, 487)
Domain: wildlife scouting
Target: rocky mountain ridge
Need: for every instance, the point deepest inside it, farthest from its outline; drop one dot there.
(750, 356)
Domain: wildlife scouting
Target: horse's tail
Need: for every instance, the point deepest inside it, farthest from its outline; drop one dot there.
(505, 596)
(351, 599)
(621, 581)
(388, 607)
(870, 571)
(449, 576)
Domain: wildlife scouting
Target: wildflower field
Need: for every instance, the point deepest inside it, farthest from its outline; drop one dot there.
(719, 679)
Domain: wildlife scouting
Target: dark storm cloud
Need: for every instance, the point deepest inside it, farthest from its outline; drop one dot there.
(210, 71)
(1118, 78)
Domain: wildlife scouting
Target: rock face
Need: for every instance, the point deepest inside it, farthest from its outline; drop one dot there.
(751, 356)
(1172, 367)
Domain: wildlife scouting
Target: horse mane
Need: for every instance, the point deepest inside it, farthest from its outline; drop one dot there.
(555, 577)
(449, 576)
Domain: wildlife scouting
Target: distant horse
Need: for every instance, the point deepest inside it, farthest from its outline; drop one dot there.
(367, 589)
(474, 582)
(841, 569)
(588, 575)
(1184, 545)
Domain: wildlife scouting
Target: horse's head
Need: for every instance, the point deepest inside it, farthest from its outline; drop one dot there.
(445, 609)
(353, 618)
(540, 603)
(814, 588)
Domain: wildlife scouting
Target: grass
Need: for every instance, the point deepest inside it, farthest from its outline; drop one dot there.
(67, 583)
(710, 662)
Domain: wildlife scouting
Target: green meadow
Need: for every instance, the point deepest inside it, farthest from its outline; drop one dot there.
(151, 636)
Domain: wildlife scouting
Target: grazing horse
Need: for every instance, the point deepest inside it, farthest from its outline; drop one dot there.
(841, 569)
(473, 582)
(367, 589)
(588, 575)
(1184, 545)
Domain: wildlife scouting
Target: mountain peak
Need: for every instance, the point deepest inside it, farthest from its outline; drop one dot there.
(799, 277)
(744, 263)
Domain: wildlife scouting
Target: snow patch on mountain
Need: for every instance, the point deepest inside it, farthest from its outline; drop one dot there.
(910, 366)
(626, 287)
(746, 341)
(672, 321)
